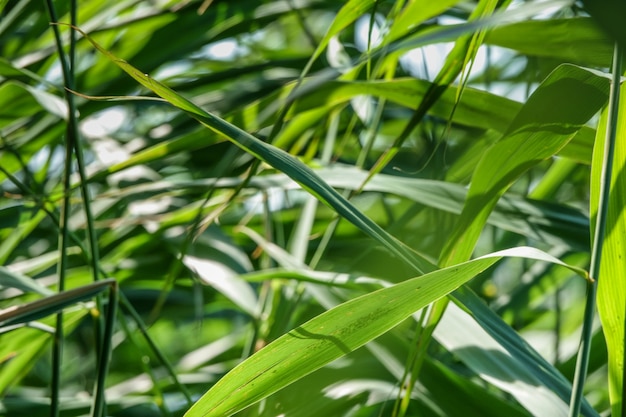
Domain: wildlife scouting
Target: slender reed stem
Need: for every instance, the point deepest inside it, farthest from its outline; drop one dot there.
(128, 307)
(68, 66)
(598, 237)
(57, 347)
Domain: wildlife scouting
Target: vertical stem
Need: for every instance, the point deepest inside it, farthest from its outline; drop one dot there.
(598, 237)
(68, 66)
(57, 346)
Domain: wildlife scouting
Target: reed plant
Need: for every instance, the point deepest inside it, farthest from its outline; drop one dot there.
(304, 208)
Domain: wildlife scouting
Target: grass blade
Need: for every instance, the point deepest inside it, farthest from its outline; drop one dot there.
(22, 282)
(337, 332)
(327, 337)
(277, 158)
(465, 47)
(44, 307)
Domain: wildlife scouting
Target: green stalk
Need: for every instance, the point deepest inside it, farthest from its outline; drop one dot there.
(192, 233)
(73, 138)
(57, 347)
(598, 237)
(73, 143)
(298, 245)
(145, 364)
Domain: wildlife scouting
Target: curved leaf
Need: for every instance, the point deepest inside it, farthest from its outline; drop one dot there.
(277, 158)
(337, 332)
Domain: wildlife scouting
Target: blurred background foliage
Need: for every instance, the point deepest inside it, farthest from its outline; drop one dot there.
(220, 255)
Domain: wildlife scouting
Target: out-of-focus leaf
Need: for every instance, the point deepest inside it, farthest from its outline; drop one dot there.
(9, 215)
(414, 14)
(19, 351)
(609, 15)
(464, 51)
(17, 234)
(350, 12)
(13, 96)
(576, 40)
(470, 398)
(517, 349)
(476, 108)
(547, 222)
(22, 282)
(467, 340)
(224, 280)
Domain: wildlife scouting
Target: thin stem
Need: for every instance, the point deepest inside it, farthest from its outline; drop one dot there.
(145, 363)
(73, 141)
(57, 348)
(73, 138)
(598, 237)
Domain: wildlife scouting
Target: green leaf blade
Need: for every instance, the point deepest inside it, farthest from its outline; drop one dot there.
(329, 336)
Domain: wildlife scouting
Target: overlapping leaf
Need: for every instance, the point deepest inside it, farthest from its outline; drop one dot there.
(561, 105)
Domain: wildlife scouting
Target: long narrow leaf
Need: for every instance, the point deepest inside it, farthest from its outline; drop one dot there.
(277, 158)
(337, 332)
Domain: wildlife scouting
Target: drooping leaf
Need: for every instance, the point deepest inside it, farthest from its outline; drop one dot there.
(466, 339)
(277, 158)
(22, 282)
(414, 14)
(519, 352)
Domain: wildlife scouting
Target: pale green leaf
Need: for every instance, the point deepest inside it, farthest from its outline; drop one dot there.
(414, 14)
(464, 337)
(337, 332)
